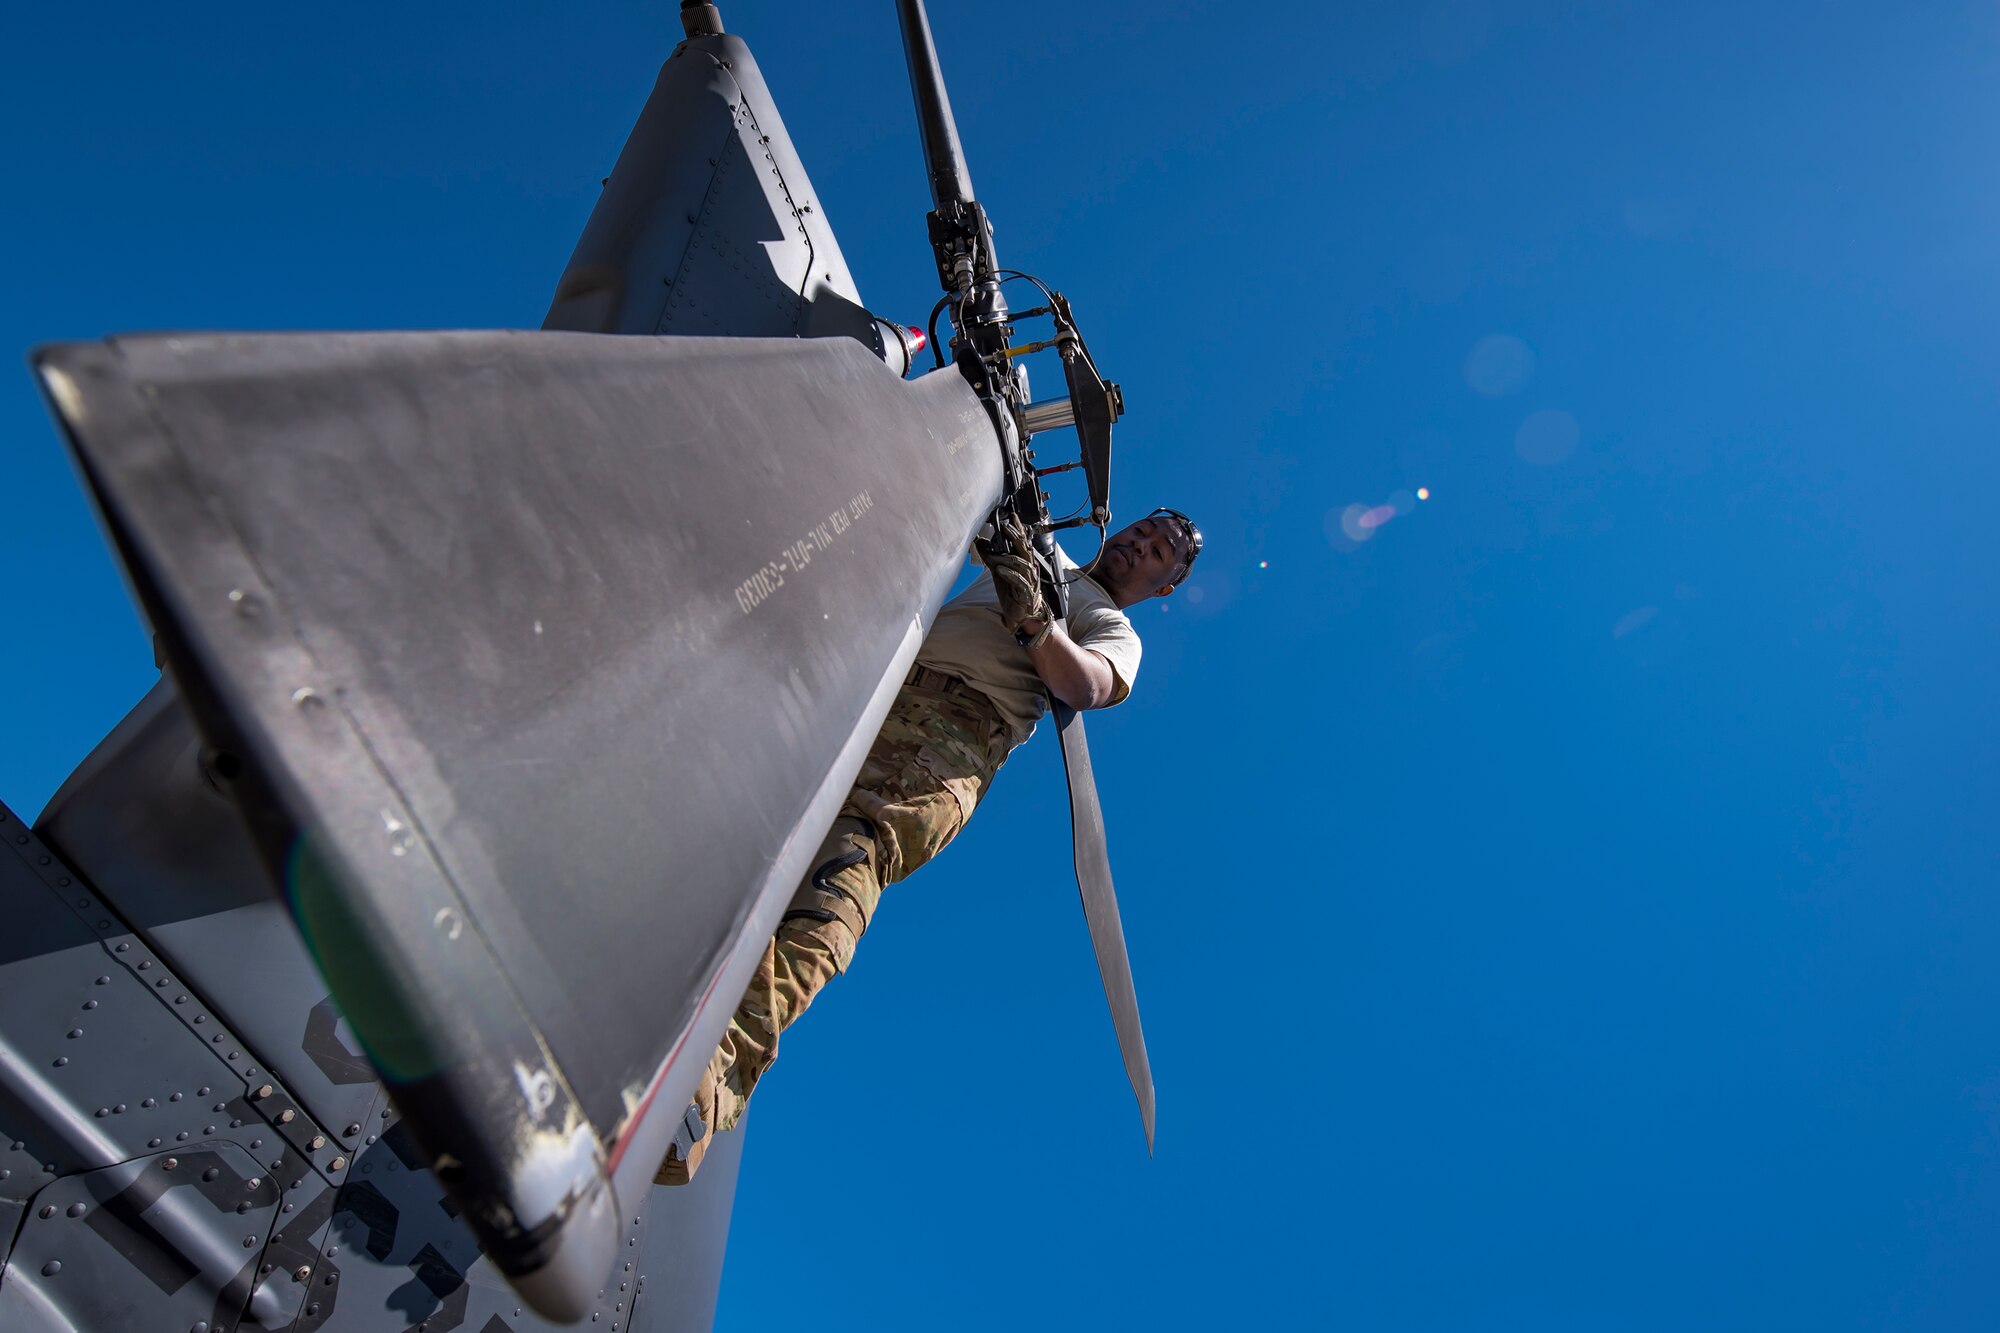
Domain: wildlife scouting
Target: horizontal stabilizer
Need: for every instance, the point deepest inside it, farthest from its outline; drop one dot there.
(543, 661)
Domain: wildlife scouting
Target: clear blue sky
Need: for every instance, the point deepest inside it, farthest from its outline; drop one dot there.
(1571, 907)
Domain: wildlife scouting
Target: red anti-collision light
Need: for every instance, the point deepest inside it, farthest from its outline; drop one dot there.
(917, 339)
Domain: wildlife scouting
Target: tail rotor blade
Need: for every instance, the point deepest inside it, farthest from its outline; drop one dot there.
(1100, 910)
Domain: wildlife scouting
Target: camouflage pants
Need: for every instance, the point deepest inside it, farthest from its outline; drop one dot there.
(930, 764)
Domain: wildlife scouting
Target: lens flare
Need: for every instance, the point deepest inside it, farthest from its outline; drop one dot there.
(1547, 437)
(1498, 364)
(1348, 526)
(1351, 525)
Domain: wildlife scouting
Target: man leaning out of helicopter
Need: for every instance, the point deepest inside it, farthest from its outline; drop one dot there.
(980, 683)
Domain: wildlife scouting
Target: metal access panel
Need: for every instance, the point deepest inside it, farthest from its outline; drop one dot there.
(542, 662)
(170, 1240)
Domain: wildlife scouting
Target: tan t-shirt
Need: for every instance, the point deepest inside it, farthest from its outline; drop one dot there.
(968, 641)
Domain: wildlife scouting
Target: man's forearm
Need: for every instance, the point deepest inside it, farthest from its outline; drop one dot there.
(1076, 675)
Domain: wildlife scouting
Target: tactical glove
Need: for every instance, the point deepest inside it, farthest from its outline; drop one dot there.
(1010, 558)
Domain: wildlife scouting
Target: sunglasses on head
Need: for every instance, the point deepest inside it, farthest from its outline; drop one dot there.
(1193, 541)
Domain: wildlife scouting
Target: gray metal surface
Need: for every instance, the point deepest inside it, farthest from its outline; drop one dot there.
(82, 1036)
(1100, 909)
(1049, 414)
(142, 808)
(88, 1122)
(559, 651)
(170, 1240)
(145, 821)
(109, 1059)
(708, 224)
(391, 1252)
(687, 1230)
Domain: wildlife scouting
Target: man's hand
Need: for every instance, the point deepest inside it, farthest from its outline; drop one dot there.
(1078, 676)
(1010, 558)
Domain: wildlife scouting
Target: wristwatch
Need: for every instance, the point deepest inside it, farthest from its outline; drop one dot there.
(1038, 638)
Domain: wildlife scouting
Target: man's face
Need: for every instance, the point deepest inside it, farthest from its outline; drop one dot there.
(1137, 561)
